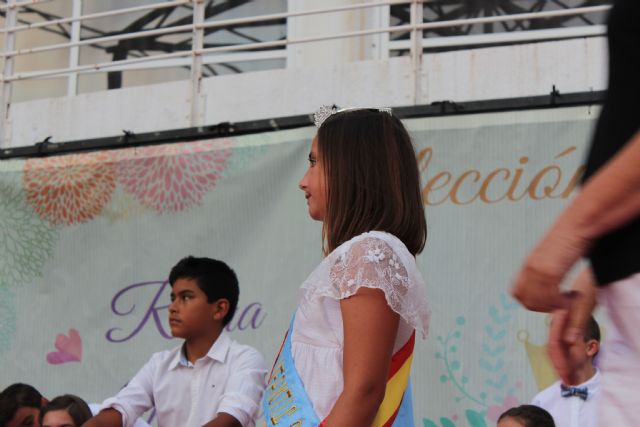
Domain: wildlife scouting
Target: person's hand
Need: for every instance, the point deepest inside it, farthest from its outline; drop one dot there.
(537, 284)
(568, 326)
(558, 347)
(538, 290)
(565, 331)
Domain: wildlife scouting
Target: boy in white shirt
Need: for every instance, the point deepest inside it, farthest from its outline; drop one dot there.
(573, 405)
(209, 379)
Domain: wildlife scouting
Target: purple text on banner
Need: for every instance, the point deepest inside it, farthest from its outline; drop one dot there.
(150, 293)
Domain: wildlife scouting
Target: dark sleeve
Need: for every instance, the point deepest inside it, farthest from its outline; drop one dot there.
(617, 254)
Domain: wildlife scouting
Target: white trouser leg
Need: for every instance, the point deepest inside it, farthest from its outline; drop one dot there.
(620, 400)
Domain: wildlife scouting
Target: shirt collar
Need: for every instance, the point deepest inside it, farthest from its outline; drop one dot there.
(218, 352)
(592, 382)
(220, 348)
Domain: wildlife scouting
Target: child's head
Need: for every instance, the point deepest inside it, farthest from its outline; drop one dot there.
(526, 416)
(363, 176)
(20, 406)
(204, 294)
(65, 411)
(581, 353)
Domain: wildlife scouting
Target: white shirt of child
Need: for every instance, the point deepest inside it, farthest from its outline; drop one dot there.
(229, 379)
(571, 411)
(376, 260)
(96, 407)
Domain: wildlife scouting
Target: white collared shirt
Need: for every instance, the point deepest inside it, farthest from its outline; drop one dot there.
(96, 407)
(571, 411)
(229, 379)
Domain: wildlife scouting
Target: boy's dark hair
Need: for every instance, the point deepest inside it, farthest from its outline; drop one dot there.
(215, 278)
(77, 408)
(592, 330)
(372, 179)
(530, 415)
(17, 396)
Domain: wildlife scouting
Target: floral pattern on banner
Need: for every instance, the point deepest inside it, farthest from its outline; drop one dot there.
(7, 317)
(26, 241)
(174, 177)
(70, 189)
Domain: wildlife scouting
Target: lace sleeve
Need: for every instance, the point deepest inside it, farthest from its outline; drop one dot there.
(376, 263)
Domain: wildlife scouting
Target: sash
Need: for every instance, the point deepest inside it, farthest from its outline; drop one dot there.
(286, 403)
(396, 409)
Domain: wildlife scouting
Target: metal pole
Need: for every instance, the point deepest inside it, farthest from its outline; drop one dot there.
(11, 16)
(197, 44)
(74, 51)
(292, 25)
(380, 18)
(416, 50)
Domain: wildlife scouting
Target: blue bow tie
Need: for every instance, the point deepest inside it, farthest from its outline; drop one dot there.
(581, 392)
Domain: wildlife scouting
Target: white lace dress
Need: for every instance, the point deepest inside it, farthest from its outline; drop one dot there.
(375, 260)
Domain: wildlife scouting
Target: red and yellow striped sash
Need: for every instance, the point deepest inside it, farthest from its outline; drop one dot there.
(396, 384)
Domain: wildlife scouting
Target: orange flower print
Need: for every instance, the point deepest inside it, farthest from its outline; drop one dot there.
(70, 189)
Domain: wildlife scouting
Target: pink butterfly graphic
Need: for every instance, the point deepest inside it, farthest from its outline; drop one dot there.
(69, 348)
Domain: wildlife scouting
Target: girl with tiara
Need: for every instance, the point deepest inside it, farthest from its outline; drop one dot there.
(346, 358)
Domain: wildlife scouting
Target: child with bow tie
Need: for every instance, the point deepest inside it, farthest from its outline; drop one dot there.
(573, 405)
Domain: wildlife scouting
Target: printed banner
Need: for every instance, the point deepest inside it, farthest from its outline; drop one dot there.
(87, 242)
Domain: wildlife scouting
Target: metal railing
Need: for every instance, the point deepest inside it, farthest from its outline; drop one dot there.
(198, 55)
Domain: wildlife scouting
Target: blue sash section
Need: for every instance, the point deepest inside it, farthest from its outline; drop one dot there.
(405, 413)
(285, 402)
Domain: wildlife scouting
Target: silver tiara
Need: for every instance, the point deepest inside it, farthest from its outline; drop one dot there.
(327, 111)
